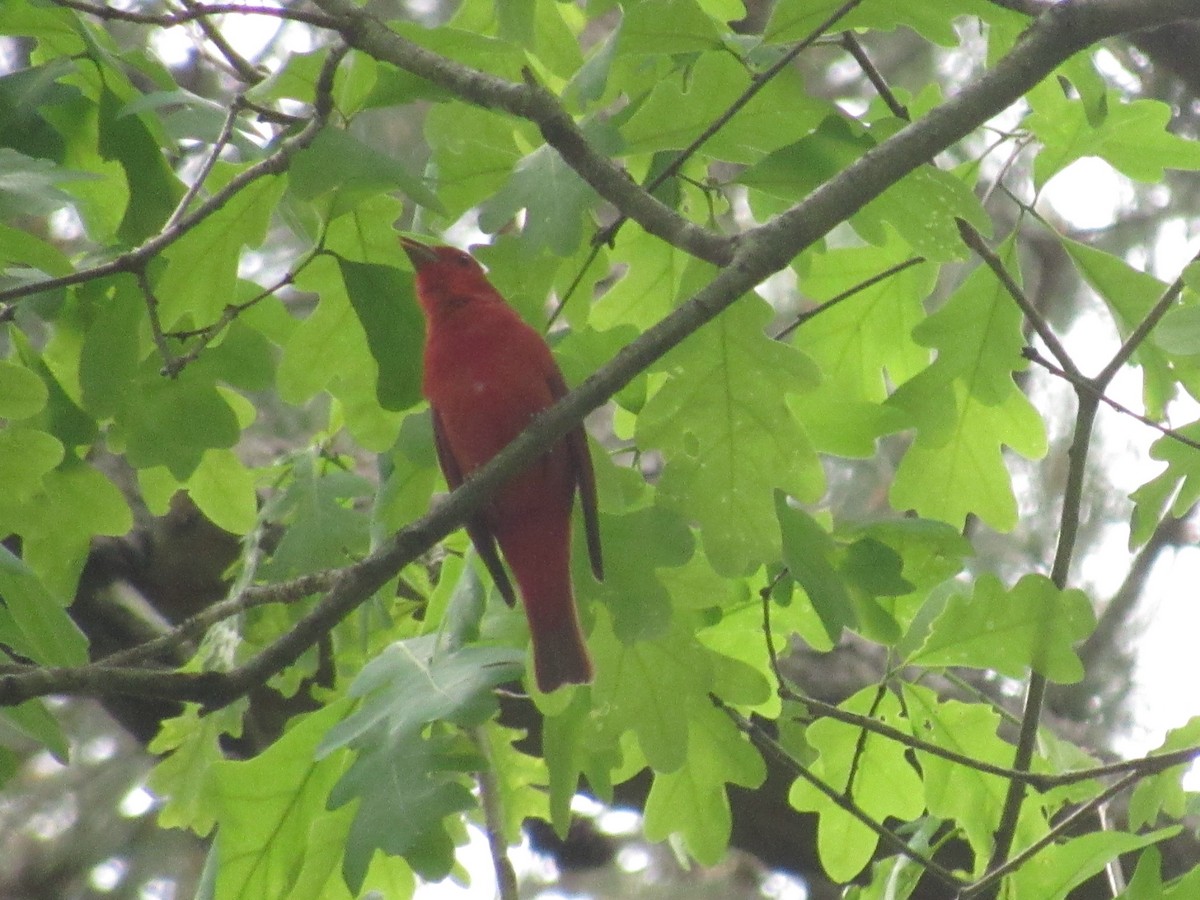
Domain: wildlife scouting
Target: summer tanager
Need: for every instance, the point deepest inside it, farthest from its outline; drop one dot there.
(486, 375)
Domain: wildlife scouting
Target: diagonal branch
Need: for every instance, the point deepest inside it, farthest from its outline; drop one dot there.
(136, 259)
(194, 12)
(535, 103)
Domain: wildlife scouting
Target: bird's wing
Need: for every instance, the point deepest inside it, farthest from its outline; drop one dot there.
(585, 477)
(477, 529)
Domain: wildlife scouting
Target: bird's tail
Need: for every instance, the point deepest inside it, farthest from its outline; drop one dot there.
(540, 560)
(560, 655)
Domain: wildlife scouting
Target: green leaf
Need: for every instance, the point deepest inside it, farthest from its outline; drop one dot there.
(112, 349)
(793, 171)
(644, 687)
(329, 351)
(223, 488)
(667, 26)
(978, 338)
(691, 801)
(807, 551)
(474, 153)
(32, 721)
(46, 634)
(200, 278)
(30, 186)
(1053, 872)
(864, 343)
(885, 783)
(22, 393)
(153, 188)
(186, 776)
(338, 163)
(1133, 136)
(519, 779)
(323, 529)
(269, 809)
(406, 783)
(385, 304)
(61, 417)
(1032, 626)
(650, 286)
(1163, 793)
(555, 199)
(955, 466)
(1130, 295)
(682, 106)
(636, 545)
(1179, 331)
(971, 798)
(1173, 490)
(411, 684)
(792, 20)
(26, 455)
(19, 247)
(174, 422)
(406, 791)
(924, 208)
(729, 438)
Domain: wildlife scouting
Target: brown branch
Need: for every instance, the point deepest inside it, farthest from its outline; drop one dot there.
(847, 294)
(277, 162)
(197, 11)
(533, 102)
(1088, 386)
(973, 239)
(768, 745)
(855, 49)
(241, 67)
(759, 81)
(991, 881)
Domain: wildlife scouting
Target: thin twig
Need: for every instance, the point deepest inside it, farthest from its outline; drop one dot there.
(493, 819)
(242, 68)
(855, 49)
(1139, 334)
(760, 81)
(238, 602)
(1088, 405)
(769, 745)
(156, 329)
(209, 333)
(210, 161)
(992, 878)
(973, 239)
(277, 162)
(847, 294)
(198, 11)
(1088, 386)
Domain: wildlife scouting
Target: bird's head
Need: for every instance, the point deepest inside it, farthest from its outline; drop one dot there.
(446, 276)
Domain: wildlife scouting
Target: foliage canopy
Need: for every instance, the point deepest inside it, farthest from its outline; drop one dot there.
(203, 293)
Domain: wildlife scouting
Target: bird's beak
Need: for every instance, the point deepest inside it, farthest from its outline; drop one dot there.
(420, 254)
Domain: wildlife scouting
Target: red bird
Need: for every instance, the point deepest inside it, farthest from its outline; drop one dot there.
(487, 375)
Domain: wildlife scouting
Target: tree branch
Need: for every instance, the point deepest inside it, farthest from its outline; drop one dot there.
(533, 102)
(196, 11)
(770, 746)
(277, 162)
